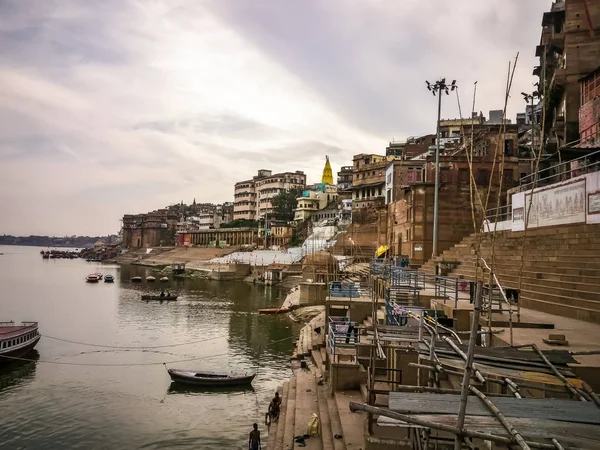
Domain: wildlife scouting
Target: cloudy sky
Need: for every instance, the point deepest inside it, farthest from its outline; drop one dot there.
(123, 106)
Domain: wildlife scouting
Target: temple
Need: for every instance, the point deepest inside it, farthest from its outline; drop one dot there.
(327, 174)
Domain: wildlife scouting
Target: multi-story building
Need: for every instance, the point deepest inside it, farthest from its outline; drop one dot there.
(368, 181)
(589, 113)
(252, 198)
(413, 146)
(569, 49)
(153, 229)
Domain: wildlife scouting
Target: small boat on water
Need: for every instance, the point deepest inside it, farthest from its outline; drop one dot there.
(166, 298)
(109, 278)
(17, 340)
(210, 378)
(136, 279)
(274, 310)
(150, 279)
(164, 279)
(92, 278)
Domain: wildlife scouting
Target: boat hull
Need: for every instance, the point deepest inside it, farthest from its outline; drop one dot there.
(6, 357)
(210, 379)
(274, 310)
(172, 298)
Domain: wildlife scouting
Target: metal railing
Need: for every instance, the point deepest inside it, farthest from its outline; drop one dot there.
(349, 289)
(342, 333)
(504, 213)
(563, 171)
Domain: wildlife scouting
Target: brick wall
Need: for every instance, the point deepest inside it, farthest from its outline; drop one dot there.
(589, 119)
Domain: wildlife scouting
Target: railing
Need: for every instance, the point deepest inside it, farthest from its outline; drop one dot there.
(349, 289)
(447, 287)
(343, 333)
(398, 300)
(563, 171)
(504, 213)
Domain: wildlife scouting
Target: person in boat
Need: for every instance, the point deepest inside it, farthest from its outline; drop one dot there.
(254, 439)
(162, 293)
(274, 408)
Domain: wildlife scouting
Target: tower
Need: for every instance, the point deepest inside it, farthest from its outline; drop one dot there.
(327, 177)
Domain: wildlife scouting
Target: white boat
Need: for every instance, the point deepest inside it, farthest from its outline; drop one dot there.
(150, 279)
(164, 279)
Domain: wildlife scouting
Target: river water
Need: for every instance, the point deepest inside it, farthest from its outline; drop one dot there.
(81, 396)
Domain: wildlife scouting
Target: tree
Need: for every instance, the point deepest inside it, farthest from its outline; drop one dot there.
(285, 203)
(240, 223)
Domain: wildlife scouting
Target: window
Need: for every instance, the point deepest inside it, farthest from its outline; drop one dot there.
(508, 147)
(444, 175)
(507, 176)
(483, 176)
(463, 176)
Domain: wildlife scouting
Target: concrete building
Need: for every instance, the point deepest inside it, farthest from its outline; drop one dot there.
(252, 198)
(223, 237)
(281, 235)
(368, 182)
(402, 173)
(153, 229)
(569, 49)
(413, 146)
(589, 113)
(307, 205)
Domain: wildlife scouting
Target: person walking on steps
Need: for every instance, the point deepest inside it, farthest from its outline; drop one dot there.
(254, 439)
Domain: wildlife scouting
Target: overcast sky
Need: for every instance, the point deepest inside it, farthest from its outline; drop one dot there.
(123, 106)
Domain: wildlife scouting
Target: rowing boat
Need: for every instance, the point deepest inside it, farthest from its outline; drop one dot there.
(210, 378)
(274, 310)
(166, 298)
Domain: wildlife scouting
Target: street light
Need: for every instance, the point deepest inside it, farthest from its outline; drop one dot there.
(529, 98)
(438, 88)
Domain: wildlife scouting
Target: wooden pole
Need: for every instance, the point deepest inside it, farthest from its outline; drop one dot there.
(560, 376)
(494, 409)
(465, 357)
(469, 364)
(443, 427)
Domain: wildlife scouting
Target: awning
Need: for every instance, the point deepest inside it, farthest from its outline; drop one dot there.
(381, 250)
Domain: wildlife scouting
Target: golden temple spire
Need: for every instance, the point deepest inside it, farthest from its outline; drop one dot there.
(327, 174)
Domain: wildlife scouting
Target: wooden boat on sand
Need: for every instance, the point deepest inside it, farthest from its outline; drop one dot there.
(165, 298)
(205, 378)
(274, 310)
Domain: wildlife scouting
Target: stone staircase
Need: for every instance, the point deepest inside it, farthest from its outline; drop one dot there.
(306, 394)
(560, 273)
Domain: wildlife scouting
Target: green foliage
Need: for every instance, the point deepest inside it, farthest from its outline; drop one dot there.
(285, 203)
(240, 223)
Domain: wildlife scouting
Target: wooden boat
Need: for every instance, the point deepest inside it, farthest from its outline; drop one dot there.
(92, 278)
(17, 340)
(164, 279)
(166, 298)
(274, 310)
(109, 278)
(150, 279)
(205, 378)
(136, 279)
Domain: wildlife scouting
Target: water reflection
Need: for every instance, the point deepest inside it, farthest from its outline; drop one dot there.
(176, 388)
(16, 372)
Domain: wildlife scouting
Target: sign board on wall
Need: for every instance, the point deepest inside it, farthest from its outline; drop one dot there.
(594, 202)
(559, 205)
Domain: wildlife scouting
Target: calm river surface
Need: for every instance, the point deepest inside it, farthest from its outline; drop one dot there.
(47, 405)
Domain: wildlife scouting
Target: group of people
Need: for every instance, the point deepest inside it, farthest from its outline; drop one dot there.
(272, 415)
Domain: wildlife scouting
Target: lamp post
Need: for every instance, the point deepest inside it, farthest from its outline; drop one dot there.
(529, 98)
(438, 88)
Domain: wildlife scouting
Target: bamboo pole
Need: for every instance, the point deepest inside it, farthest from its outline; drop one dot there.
(494, 409)
(512, 386)
(560, 376)
(469, 364)
(557, 444)
(464, 356)
(443, 427)
(417, 389)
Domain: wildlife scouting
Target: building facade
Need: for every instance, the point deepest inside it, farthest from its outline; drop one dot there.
(368, 180)
(153, 229)
(252, 198)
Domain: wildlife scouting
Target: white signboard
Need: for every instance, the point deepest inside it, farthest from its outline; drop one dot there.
(563, 204)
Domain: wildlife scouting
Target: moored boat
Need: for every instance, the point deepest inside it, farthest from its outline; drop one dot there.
(17, 340)
(109, 278)
(164, 279)
(99, 275)
(274, 310)
(167, 298)
(150, 279)
(136, 279)
(92, 278)
(206, 378)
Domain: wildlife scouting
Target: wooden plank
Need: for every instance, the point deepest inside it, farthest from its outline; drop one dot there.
(554, 356)
(571, 434)
(533, 408)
